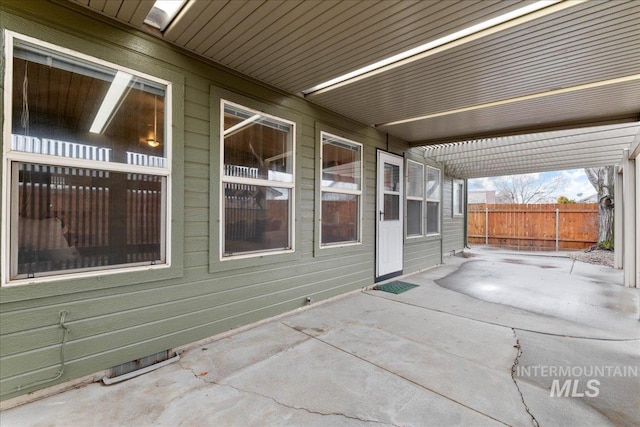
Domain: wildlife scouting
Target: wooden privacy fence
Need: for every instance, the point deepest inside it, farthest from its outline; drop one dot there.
(535, 226)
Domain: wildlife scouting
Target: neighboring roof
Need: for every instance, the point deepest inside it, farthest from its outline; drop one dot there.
(475, 197)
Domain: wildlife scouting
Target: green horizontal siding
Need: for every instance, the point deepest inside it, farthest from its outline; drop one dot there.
(452, 226)
(114, 324)
(418, 256)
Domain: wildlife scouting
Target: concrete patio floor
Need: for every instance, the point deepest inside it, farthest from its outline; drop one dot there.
(481, 341)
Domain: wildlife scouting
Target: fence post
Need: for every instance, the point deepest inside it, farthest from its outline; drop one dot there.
(557, 228)
(486, 225)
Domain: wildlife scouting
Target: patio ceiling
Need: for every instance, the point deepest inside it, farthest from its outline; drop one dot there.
(536, 152)
(578, 66)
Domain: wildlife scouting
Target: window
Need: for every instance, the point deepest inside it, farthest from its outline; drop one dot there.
(257, 182)
(433, 200)
(88, 166)
(415, 198)
(458, 197)
(341, 190)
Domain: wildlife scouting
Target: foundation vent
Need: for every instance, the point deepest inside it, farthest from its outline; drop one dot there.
(137, 364)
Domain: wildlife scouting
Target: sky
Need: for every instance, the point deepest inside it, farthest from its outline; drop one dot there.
(577, 185)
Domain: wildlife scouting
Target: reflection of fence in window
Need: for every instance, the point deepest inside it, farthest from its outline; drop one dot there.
(242, 204)
(243, 208)
(30, 144)
(61, 211)
(255, 219)
(74, 150)
(139, 159)
(66, 218)
(144, 220)
(241, 171)
(339, 218)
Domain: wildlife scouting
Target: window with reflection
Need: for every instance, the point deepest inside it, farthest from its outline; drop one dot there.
(391, 192)
(341, 190)
(257, 181)
(433, 200)
(415, 198)
(89, 163)
(458, 197)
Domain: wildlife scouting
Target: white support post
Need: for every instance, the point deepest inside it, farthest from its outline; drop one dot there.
(629, 220)
(636, 188)
(486, 226)
(557, 229)
(618, 233)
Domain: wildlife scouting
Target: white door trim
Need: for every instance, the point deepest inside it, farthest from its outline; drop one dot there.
(389, 225)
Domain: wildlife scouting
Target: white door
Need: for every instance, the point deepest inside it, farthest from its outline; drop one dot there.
(390, 217)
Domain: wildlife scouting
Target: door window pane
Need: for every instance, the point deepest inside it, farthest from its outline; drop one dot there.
(391, 177)
(391, 207)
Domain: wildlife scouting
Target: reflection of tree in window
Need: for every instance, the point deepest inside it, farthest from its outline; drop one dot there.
(259, 145)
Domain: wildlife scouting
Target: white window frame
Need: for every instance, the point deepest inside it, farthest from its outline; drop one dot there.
(358, 193)
(437, 199)
(421, 199)
(9, 260)
(260, 182)
(457, 196)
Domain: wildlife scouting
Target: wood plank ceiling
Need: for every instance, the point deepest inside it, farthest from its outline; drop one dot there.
(573, 68)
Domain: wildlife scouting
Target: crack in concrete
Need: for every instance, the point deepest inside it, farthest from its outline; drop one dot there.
(273, 399)
(310, 411)
(551, 334)
(516, 361)
(198, 377)
(422, 386)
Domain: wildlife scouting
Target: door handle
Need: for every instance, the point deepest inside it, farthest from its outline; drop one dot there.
(381, 215)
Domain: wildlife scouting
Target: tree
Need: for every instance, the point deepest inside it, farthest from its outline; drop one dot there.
(603, 179)
(564, 200)
(526, 189)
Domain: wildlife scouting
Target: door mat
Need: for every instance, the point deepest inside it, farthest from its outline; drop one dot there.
(395, 287)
